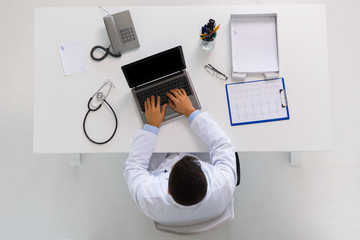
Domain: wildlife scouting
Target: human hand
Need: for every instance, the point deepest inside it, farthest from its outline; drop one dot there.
(180, 102)
(154, 116)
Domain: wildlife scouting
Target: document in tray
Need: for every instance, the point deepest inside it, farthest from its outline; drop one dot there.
(254, 43)
(257, 101)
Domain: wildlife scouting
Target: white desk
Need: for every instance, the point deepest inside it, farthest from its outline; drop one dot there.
(61, 102)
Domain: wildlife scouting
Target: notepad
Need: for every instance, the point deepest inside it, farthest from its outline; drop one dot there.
(257, 101)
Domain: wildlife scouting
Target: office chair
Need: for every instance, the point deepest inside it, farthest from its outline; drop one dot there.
(224, 218)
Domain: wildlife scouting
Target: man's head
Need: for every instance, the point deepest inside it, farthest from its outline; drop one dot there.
(187, 182)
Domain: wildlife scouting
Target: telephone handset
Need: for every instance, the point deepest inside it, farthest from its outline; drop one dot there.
(121, 31)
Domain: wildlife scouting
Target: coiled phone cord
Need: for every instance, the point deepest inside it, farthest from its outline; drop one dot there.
(107, 52)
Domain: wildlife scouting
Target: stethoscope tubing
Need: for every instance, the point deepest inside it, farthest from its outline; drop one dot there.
(94, 110)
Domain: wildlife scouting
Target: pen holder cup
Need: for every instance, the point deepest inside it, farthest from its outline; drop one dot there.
(207, 44)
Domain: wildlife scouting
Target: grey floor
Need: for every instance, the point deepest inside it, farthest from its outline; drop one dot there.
(42, 197)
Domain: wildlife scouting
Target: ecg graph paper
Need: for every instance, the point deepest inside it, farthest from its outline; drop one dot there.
(258, 101)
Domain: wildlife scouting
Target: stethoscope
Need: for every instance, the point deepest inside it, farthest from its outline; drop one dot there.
(95, 103)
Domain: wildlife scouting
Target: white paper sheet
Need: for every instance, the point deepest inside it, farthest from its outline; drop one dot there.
(72, 57)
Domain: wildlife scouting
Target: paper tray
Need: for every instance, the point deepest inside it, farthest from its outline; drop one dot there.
(254, 45)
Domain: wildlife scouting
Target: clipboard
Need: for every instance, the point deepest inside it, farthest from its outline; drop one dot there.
(257, 101)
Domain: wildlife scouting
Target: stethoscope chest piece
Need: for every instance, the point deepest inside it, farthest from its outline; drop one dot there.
(99, 95)
(95, 103)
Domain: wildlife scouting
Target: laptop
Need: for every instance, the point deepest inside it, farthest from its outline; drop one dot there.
(156, 75)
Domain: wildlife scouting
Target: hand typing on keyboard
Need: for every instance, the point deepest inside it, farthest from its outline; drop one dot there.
(154, 115)
(179, 101)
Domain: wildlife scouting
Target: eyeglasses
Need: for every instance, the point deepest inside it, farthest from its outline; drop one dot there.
(213, 71)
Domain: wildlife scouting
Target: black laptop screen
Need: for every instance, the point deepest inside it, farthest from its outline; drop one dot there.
(153, 67)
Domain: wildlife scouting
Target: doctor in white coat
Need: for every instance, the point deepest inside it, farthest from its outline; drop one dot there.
(182, 191)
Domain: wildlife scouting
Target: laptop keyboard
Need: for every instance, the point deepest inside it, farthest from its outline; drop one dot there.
(162, 89)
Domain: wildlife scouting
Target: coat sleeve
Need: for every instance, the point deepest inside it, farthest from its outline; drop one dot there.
(136, 165)
(221, 150)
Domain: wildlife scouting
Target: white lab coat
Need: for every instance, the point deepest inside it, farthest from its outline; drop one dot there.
(150, 190)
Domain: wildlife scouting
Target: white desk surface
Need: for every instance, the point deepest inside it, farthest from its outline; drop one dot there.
(60, 102)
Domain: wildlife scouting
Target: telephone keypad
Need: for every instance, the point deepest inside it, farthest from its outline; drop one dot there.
(127, 35)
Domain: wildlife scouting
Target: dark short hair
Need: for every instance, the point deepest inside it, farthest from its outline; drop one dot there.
(187, 182)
